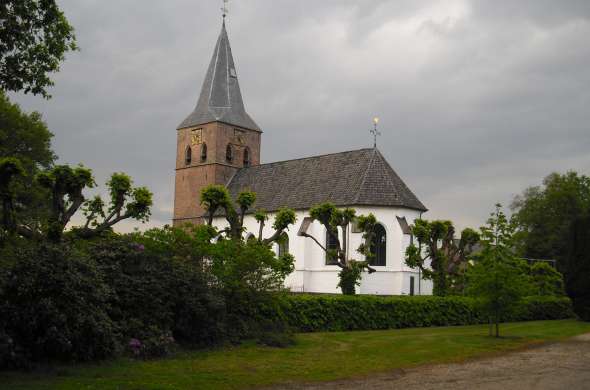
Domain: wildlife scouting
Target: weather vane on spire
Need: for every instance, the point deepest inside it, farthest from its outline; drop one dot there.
(224, 9)
(374, 131)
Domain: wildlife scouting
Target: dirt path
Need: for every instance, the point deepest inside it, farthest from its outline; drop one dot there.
(564, 365)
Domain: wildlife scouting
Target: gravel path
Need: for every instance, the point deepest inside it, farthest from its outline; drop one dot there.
(564, 365)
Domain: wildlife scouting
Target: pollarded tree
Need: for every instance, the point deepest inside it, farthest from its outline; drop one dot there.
(65, 186)
(498, 277)
(333, 219)
(34, 37)
(447, 255)
(216, 198)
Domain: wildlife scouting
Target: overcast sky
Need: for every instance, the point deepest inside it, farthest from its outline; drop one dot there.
(477, 99)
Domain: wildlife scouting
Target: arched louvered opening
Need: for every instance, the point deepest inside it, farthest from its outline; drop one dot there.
(378, 247)
(229, 153)
(203, 152)
(246, 157)
(188, 156)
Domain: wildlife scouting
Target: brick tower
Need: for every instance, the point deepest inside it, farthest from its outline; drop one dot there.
(216, 139)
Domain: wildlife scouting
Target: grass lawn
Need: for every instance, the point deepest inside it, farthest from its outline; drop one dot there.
(316, 357)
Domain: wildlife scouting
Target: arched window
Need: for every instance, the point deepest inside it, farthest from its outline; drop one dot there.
(250, 236)
(246, 157)
(229, 153)
(188, 156)
(203, 152)
(378, 249)
(283, 244)
(331, 245)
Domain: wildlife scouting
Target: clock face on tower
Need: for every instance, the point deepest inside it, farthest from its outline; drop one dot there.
(239, 136)
(196, 136)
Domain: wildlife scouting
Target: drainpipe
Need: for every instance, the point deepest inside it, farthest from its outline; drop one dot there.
(419, 271)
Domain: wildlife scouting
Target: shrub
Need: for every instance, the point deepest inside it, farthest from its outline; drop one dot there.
(318, 313)
(54, 306)
(159, 297)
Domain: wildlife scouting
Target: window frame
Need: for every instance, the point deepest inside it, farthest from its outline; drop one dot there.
(379, 258)
(327, 244)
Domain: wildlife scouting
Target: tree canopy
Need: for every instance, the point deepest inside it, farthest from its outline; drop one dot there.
(34, 38)
(440, 256)
(545, 213)
(499, 278)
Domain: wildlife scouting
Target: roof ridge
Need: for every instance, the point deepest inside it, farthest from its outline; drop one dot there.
(389, 169)
(306, 158)
(358, 193)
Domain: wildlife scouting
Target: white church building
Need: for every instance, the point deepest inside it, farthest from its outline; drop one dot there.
(219, 143)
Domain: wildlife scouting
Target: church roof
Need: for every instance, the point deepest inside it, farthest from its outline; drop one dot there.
(354, 178)
(220, 99)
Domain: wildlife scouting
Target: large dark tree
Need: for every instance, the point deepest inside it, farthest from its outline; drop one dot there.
(545, 213)
(576, 266)
(34, 37)
(25, 137)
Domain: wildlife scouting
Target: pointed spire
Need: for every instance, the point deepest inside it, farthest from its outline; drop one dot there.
(220, 99)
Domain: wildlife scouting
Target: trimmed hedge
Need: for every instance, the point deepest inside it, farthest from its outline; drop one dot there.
(320, 313)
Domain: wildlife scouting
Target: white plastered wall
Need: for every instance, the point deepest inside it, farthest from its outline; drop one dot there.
(313, 275)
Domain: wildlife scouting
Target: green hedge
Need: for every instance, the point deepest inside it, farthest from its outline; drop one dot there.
(316, 313)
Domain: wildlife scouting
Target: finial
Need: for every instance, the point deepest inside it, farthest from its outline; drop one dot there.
(224, 9)
(374, 131)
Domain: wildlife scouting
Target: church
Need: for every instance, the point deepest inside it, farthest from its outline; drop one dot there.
(219, 143)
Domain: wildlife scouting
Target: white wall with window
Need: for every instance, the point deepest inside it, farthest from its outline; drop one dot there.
(314, 274)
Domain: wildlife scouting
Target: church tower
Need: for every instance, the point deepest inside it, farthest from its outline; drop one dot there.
(216, 139)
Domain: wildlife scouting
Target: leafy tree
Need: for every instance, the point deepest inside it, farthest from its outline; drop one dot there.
(576, 266)
(447, 256)
(546, 280)
(545, 213)
(499, 278)
(333, 219)
(25, 137)
(216, 197)
(65, 186)
(34, 37)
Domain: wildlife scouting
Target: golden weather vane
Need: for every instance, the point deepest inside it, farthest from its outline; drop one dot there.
(374, 131)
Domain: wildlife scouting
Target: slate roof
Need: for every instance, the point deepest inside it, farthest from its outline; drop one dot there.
(220, 99)
(354, 178)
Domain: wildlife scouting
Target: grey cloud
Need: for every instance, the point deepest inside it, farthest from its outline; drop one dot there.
(477, 99)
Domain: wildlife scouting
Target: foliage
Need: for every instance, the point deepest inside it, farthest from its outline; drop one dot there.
(447, 256)
(499, 278)
(158, 294)
(25, 137)
(65, 186)
(53, 306)
(545, 213)
(546, 280)
(34, 37)
(576, 266)
(334, 219)
(216, 197)
(322, 313)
